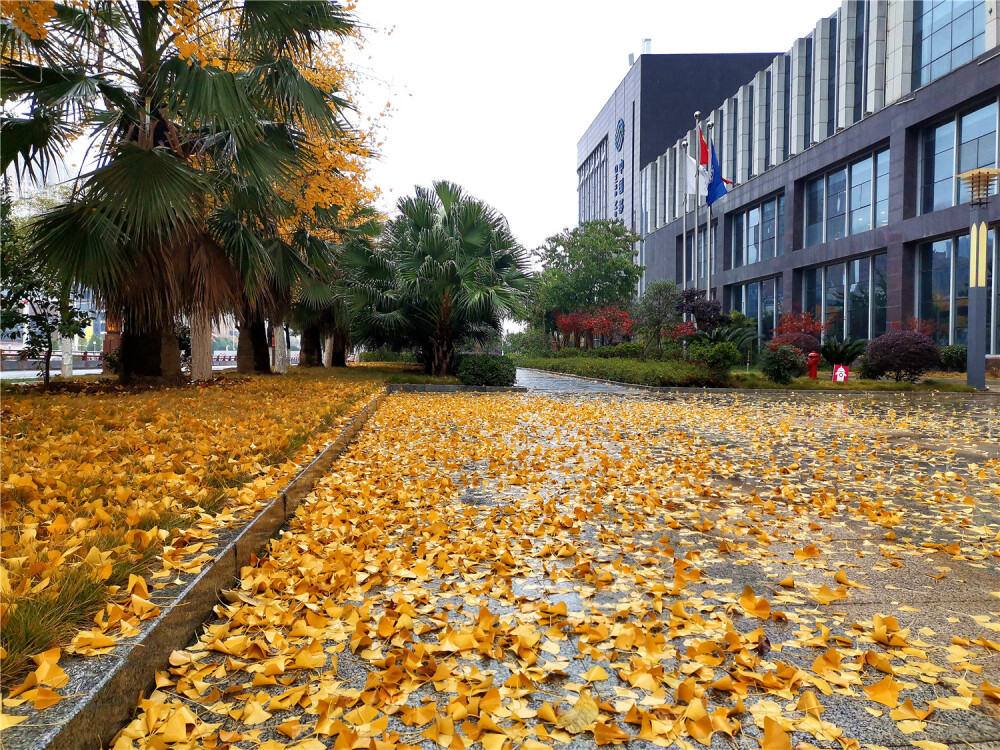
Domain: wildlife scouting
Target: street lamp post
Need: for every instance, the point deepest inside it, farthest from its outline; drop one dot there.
(979, 182)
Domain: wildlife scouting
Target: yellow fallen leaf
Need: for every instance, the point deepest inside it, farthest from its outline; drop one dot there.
(581, 717)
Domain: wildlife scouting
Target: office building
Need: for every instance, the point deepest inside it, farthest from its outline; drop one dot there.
(843, 153)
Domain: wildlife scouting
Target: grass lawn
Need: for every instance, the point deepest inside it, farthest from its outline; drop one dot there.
(102, 490)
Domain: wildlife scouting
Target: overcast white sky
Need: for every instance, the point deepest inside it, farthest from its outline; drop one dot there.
(494, 96)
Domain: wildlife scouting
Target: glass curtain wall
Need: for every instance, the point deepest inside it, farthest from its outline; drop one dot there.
(850, 297)
(849, 200)
(757, 233)
(967, 141)
(760, 300)
(946, 34)
(942, 289)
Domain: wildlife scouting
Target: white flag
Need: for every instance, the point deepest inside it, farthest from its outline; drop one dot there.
(697, 178)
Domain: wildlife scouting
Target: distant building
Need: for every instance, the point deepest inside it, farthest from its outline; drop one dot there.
(844, 152)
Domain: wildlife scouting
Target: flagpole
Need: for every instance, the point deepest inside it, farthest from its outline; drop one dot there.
(711, 239)
(697, 200)
(684, 224)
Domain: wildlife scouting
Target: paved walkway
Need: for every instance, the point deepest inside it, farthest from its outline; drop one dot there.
(561, 571)
(553, 383)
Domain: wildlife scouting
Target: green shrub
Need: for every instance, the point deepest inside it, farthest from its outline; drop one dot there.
(483, 369)
(719, 357)
(672, 373)
(569, 352)
(628, 350)
(843, 352)
(867, 370)
(954, 357)
(903, 355)
(781, 363)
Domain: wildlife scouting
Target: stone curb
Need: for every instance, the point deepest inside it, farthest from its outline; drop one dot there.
(441, 388)
(114, 683)
(706, 389)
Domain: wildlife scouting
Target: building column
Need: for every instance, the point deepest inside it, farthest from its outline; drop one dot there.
(824, 56)
(761, 110)
(848, 54)
(661, 191)
(874, 96)
(730, 123)
(798, 97)
(992, 24)
(778, 114)
(898, 49)
(745, 118)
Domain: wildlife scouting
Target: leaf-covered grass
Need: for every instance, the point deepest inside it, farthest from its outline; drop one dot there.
(679, 373)
(98, 486)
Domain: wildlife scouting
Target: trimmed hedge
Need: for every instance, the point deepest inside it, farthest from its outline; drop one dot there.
(628, 350)
(954, 357)
(485, 369)
(385, 355)
(675, 373)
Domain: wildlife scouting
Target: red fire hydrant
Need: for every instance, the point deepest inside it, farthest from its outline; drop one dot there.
(812, 362)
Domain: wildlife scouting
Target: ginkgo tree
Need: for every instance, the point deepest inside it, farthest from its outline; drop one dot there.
(204, 119)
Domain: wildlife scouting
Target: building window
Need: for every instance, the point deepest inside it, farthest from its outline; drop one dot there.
(592, 184)
(760, 300)
(939, 167)
(753, 236)
(977, 146)
(975, 135)
(945, 36)
(851, 192)
(882, 189)
(858, 291)
(757, 232)
(942, 290)
(861, 196)
(836, 204)
(814, 212)
(833, 313)
(849, 297)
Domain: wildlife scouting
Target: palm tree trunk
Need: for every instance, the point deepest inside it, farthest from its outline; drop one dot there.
(442, 359)
(328, 351)
(280, 350)
(261, 348)
(244, 350)
(66, 350)
(252, 354)
(152, 353)
(338, 350)
(311, 352)
(201, 347)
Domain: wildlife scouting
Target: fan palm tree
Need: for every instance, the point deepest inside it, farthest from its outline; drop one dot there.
(447, 270)
(318, 317)
(196, 114)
